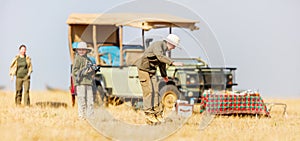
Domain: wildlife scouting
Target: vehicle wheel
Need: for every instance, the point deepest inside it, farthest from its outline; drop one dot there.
(169, 95)
(101, 96)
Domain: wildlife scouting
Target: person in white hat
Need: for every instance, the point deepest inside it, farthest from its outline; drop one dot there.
(83, 74)
(153, 57)
(173, 40)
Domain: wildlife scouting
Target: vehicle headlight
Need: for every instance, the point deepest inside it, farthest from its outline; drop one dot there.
(192, 80)
(229, 79)
(190, 94)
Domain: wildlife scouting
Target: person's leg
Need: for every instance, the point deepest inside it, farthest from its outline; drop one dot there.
(26, 91)
(156, 99)
(147, 92)
(19, 91)
(158, 109)
(90, 101)
(73, 100)
(147, 96)
(81, 101)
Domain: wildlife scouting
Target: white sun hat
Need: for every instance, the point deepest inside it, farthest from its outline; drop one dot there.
(82, 45)
(173, 39)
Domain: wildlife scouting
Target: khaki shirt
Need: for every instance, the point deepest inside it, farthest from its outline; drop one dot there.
(14, 65)
(155, 56)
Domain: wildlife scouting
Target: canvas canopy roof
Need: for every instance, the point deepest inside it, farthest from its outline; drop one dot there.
(139, 20)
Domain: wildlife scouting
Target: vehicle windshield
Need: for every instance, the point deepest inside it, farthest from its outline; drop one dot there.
(188, 61)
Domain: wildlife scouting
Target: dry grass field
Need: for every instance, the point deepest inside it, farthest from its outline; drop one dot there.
(50, 123)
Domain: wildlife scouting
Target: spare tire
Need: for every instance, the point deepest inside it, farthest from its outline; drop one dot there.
(169, 95)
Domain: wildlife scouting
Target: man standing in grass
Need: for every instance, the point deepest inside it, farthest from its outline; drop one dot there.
(153, 57)
(21, 67)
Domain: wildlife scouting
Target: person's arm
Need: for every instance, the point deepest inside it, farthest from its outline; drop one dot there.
(29, 66)
(166, 79)
(162, 58)
(75, 68)
(167, 60)
(177, 63)
(159, 53)
(13, 68)
(163, 70)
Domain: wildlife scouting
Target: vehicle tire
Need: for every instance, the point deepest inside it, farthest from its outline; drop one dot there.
(101, 96)
(169, 95)
(162, 83)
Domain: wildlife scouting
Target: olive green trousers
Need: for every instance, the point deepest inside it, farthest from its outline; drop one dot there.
(22, 84)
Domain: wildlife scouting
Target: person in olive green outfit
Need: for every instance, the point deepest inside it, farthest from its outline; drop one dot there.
(153, 57)
(84, 82)
(21, 67)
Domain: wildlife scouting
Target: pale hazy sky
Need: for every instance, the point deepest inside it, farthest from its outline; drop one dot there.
(260, 38)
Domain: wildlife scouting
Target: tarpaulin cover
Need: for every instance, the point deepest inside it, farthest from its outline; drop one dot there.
(144, 21)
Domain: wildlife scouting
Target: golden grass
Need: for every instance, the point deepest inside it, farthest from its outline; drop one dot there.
(36, 123)
(47, 123)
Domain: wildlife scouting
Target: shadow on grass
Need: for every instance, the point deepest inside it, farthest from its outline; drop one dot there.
(51, 104)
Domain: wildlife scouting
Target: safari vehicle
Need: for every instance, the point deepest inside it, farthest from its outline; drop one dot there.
(118, 79)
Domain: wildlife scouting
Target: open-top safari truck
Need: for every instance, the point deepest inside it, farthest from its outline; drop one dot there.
(118, 79)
